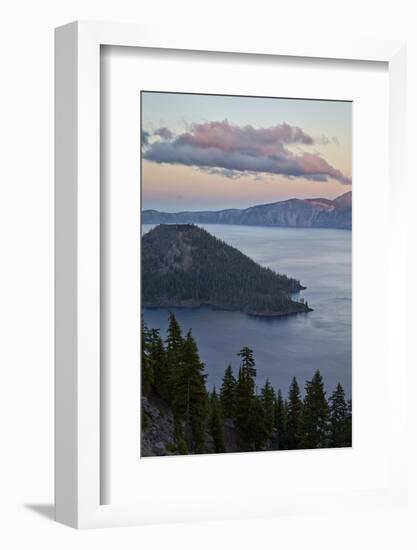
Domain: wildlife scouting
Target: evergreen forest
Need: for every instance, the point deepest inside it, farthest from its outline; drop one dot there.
(256, 419)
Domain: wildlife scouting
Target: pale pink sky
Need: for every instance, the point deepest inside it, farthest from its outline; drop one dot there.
(212, 152)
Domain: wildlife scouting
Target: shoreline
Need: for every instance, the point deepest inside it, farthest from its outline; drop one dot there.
(274, 314)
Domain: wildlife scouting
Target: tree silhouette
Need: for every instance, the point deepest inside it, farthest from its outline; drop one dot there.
(340, 424)
(174, 374)
(216, 427)
(294, 416)
(228, 393)
(190, 396)
(280, 421)
(268, 402)
(315, 416)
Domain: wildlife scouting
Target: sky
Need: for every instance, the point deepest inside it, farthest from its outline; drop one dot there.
(209, 152)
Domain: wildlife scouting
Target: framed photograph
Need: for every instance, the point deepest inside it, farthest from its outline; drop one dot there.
(230, 293)
(224, 328)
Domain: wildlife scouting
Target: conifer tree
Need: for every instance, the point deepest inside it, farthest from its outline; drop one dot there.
(315, 416)
(216, 428)
(174, 334)
(280, 421)
(176, 373)
(158, 362)
(247, 363)
(257, 433)
(244, 396)
(228, 393)
(174, 348)
(146, 367)
(245, 393)
(189, 394)
(181, 447)
(294, 408)
(349, 424)
(268, 402)
(339, 418)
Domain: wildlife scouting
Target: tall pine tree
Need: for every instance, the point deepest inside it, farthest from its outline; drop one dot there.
(174, 349)
(248, 413)
(228, 393)
(257, 433)
(247, 363)
(216, 428)
(158, 362)
(339, 419)
(280, 421)
(349, 424)
(146, 367)
(189, 395)
(294, 410)
(268, 402)
(244, 397)
(315, 417)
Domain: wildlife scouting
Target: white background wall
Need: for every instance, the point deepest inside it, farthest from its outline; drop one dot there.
(26, 273)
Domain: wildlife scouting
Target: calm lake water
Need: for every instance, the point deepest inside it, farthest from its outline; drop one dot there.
(284, 347)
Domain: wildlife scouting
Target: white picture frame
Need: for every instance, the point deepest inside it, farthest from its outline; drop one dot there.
(78, 321)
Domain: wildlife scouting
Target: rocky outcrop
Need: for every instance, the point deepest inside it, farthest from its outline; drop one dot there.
(158, 431)
(157, 428)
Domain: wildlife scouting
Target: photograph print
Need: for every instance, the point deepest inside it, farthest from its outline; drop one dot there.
(246, 259)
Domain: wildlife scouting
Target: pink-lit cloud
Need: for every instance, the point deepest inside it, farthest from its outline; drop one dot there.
(242, 149)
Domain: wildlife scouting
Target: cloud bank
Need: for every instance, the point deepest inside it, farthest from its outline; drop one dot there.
(237, 150)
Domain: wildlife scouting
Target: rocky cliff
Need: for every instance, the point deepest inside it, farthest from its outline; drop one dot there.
(319, 212)
(158, 431)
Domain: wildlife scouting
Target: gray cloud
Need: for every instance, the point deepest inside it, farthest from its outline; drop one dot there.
(164, 133)
(144, 137)
(235, 150)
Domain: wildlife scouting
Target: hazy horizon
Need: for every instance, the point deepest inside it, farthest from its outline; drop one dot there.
(173, 211)
(207, 152)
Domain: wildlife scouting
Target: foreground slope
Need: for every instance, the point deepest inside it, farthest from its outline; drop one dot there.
(185, 266)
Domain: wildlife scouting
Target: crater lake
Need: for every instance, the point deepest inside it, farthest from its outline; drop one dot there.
(293, 345)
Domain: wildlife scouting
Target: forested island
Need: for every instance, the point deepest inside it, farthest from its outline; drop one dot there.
(180, 415)
(185, 266)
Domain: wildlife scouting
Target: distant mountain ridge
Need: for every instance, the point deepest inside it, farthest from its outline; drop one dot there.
(320, 212)
(185, 266)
